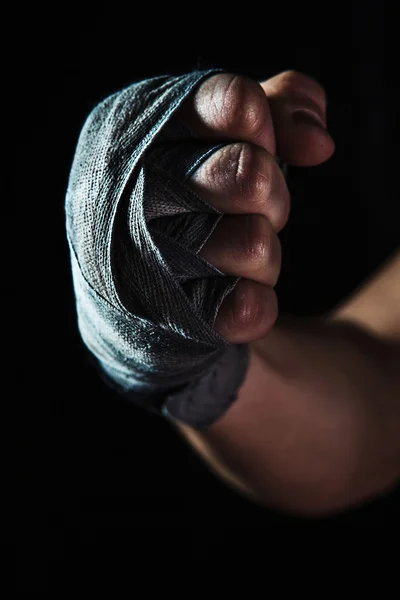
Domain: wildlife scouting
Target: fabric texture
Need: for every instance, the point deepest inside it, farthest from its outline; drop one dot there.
(146, 302)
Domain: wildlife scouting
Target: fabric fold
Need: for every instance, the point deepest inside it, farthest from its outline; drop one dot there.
(146, 302)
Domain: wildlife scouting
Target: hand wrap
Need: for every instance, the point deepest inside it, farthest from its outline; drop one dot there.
(146, 302)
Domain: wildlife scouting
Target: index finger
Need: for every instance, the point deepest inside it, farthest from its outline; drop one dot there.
(230, 107)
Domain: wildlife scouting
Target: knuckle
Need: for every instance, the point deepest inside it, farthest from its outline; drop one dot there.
(242, 168)
(268, 174)
(263, 182)
(251, 310)
(249, 180)
(230, 100)
(275, 198)
(247, 309)
(247, 171)
(237, 103)
(256, 246)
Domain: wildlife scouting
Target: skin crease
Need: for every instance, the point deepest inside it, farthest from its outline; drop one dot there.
(318, 441)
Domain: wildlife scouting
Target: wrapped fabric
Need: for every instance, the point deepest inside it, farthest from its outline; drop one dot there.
(146, 302)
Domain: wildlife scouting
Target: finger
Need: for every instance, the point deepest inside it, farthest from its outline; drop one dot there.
(230, 107)
(298, 106)
(243, 178)
(245, 246)
(248, 313)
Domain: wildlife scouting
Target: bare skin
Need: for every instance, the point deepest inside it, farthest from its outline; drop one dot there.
(315, 426)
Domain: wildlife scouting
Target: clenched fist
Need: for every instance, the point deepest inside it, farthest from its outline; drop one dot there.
(170, 304)
(283, 116)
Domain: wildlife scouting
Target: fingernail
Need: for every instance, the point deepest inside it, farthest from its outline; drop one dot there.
(308, 117)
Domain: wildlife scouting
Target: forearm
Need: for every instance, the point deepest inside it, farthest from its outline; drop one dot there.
(315, 427)
(306, 434)
(335, 402)
(375, 305)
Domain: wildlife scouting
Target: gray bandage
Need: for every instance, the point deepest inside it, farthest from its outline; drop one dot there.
(146, 302)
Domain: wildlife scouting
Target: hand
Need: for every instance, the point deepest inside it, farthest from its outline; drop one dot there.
(283, 116)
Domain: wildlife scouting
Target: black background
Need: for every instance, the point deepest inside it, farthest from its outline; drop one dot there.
(95, 476)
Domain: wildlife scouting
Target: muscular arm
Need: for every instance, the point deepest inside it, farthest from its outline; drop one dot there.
(315, 427)
(375, 305)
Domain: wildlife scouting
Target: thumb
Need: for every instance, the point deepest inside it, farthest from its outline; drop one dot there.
(298, 107)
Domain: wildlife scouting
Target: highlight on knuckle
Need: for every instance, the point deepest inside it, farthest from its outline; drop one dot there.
(244, 171)
(247, 309)
(261, 179)
(242, 167)
(255, 248)
(236, 104)
(253, 116)
(229, 94)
